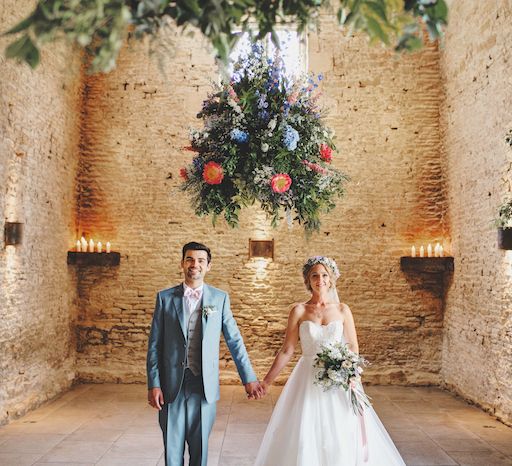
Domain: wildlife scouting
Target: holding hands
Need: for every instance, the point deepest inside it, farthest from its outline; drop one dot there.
(256, 390)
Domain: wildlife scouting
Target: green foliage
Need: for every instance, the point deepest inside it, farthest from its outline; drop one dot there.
(508, 138)
(504, 218)
(100, 26)
(263, 141)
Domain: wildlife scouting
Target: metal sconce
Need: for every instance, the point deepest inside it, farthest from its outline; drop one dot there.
(261, 248)
(13, 233)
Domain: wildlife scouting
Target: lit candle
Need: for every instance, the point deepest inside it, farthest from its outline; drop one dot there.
(91, 245)
(429, 250)
(78, 246)
(422, 251)
(108, 246)
(99, 245)
(436, 250)
(84, 244)
(441, 251)
(413, 251)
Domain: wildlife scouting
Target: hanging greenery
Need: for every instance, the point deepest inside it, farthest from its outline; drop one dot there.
(263, 140)
(101, 26)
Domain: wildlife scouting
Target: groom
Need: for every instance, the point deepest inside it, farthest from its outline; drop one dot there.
(183, 358)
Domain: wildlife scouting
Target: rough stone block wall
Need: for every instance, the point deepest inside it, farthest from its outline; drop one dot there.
(385, 110)
(39, 116)
(477, 346)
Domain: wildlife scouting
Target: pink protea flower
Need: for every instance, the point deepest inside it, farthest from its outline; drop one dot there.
(281, 182)
(315, 167)
(213, 173)
(325, 153)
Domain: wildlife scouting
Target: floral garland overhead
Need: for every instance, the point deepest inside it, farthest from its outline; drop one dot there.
(263, 140)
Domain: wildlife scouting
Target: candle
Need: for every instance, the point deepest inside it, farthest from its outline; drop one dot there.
(78, 246)
(422, 251)
(99, 245)
(108, 246)
(436, 250)
(91, 245)
(84, 244)
(413, 251)
(441, 251)
(429, 250)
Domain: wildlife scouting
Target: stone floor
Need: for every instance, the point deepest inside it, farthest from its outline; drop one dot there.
(112, 425)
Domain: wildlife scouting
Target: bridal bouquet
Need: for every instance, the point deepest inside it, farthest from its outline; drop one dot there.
(339, 367)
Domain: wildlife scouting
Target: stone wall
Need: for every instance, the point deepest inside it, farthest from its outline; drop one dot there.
(385, 110)
(477, 347)
(39, 119)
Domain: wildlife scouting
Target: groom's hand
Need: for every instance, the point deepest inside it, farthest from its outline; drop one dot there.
(156, 398)
(254, 390)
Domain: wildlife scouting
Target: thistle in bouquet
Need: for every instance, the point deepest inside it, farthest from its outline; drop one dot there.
(339, 367)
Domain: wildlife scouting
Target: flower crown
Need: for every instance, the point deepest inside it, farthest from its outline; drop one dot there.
(325, 261)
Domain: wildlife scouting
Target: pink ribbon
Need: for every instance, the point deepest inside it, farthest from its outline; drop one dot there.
(365, 439)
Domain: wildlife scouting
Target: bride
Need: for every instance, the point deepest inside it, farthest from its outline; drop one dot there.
(309, 426)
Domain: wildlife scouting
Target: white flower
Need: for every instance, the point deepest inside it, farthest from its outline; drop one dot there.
(346, 364)
(335, 353)
(264, 147)
(360, 370)
(272, 124)
(208, 311)
(334, 375)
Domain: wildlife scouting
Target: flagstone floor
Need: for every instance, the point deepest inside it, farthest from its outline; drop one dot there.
(112, 425)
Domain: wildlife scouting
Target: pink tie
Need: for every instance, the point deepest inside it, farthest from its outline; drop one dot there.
(193, 294)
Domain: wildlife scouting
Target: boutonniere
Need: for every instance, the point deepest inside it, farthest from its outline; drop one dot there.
(208, 311)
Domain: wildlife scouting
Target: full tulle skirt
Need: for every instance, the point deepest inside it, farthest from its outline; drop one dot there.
(313, 427)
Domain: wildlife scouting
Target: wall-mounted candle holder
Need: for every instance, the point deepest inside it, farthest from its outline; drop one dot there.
(13, 233)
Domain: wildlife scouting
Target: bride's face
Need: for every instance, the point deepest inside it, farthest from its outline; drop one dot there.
(319, 279)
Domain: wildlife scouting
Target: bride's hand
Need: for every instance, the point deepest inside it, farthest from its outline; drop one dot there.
(265, 386)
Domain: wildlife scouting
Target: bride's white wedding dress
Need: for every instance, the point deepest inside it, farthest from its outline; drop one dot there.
(310, 427)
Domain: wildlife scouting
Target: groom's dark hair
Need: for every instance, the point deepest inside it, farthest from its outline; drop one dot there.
(193, 246)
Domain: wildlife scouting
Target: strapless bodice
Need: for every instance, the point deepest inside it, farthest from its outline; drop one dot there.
(313, 336)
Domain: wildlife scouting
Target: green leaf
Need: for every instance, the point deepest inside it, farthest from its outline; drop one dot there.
(378, 9)
(376, 29)
(25, 50)
(22, 25)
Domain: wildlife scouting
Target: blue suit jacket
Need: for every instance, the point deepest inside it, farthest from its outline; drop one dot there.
(168, 346)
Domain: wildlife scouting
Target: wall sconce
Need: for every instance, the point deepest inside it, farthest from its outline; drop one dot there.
(261, 248)
(13, 232)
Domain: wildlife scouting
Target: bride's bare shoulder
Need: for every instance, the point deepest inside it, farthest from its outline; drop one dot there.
(297, 311)
(344, 308)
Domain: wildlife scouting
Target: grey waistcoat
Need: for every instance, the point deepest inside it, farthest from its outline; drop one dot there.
(194, 340)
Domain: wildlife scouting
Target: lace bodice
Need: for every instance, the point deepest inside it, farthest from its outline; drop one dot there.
(313, 335)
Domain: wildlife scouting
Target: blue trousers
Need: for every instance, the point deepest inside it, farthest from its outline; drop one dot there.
(189, 418)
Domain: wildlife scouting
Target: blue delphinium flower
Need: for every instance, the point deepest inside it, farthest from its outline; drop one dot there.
(290, 137)
(198, 164)
(238, 135)
(262, 101)
(264, 115)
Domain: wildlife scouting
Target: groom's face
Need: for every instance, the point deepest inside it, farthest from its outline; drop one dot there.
(195, 265)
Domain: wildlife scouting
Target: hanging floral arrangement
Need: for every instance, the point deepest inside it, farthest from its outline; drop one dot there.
(263, 140)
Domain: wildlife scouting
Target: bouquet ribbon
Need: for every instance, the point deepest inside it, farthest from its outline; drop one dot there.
(364, 436)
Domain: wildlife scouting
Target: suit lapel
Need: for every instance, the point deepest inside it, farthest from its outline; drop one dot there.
(178, 303)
